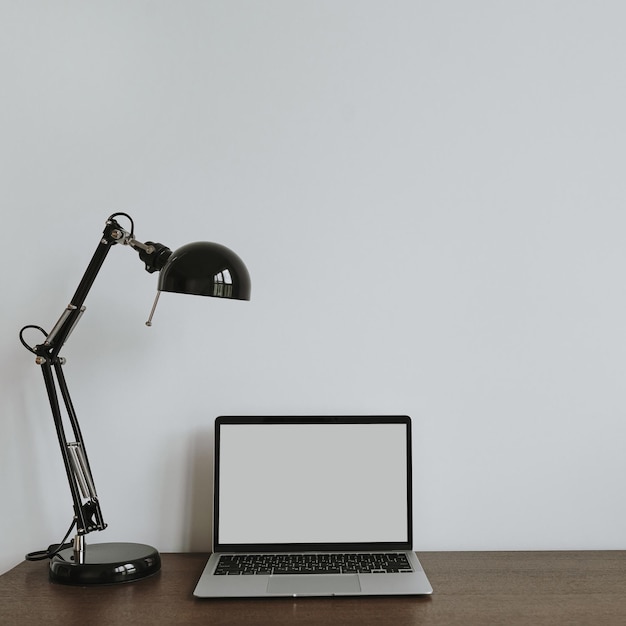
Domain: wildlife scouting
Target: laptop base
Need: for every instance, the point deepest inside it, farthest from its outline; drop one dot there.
(312, 585)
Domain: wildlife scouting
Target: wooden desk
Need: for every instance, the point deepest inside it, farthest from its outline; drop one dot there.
(470, 588)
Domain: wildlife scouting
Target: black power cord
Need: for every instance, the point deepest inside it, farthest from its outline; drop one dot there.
(53, 549)
(28, 347)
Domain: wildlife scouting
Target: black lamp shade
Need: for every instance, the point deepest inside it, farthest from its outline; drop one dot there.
(206, 269)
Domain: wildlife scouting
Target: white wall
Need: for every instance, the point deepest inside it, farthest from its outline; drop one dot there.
(430, 197)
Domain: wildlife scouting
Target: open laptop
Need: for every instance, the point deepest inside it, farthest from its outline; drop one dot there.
(312, 506)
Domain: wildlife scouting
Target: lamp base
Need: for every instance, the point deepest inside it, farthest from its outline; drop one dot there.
(105, 564)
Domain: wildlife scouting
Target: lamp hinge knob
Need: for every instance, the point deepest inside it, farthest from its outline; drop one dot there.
(40, 360)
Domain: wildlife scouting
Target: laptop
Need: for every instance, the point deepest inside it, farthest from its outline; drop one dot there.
(312, 506)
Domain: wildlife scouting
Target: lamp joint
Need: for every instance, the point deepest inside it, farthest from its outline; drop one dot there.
(42, 360)
(154, 255)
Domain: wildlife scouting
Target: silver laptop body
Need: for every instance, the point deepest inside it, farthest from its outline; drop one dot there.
(312, 506)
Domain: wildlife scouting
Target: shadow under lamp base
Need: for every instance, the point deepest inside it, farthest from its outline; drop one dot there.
(105, 563)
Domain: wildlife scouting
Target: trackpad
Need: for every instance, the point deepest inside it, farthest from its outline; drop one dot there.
(314, 584)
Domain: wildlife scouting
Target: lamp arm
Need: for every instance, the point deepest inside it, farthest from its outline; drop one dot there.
(57, 337)
(87, 513)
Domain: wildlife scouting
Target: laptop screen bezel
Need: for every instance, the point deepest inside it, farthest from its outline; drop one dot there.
(306, 547)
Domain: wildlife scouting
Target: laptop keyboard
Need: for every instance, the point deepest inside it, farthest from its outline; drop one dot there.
(349, 563)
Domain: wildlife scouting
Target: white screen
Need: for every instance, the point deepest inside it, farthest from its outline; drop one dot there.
(313, 483)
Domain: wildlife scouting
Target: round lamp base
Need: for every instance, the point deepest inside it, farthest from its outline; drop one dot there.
(105, 564)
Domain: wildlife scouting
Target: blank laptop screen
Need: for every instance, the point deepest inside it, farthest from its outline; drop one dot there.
(313, 482)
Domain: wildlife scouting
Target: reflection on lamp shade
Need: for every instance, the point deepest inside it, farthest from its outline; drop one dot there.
(206, 269)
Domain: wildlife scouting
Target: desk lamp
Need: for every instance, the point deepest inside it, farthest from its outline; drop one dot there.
(201, 268)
